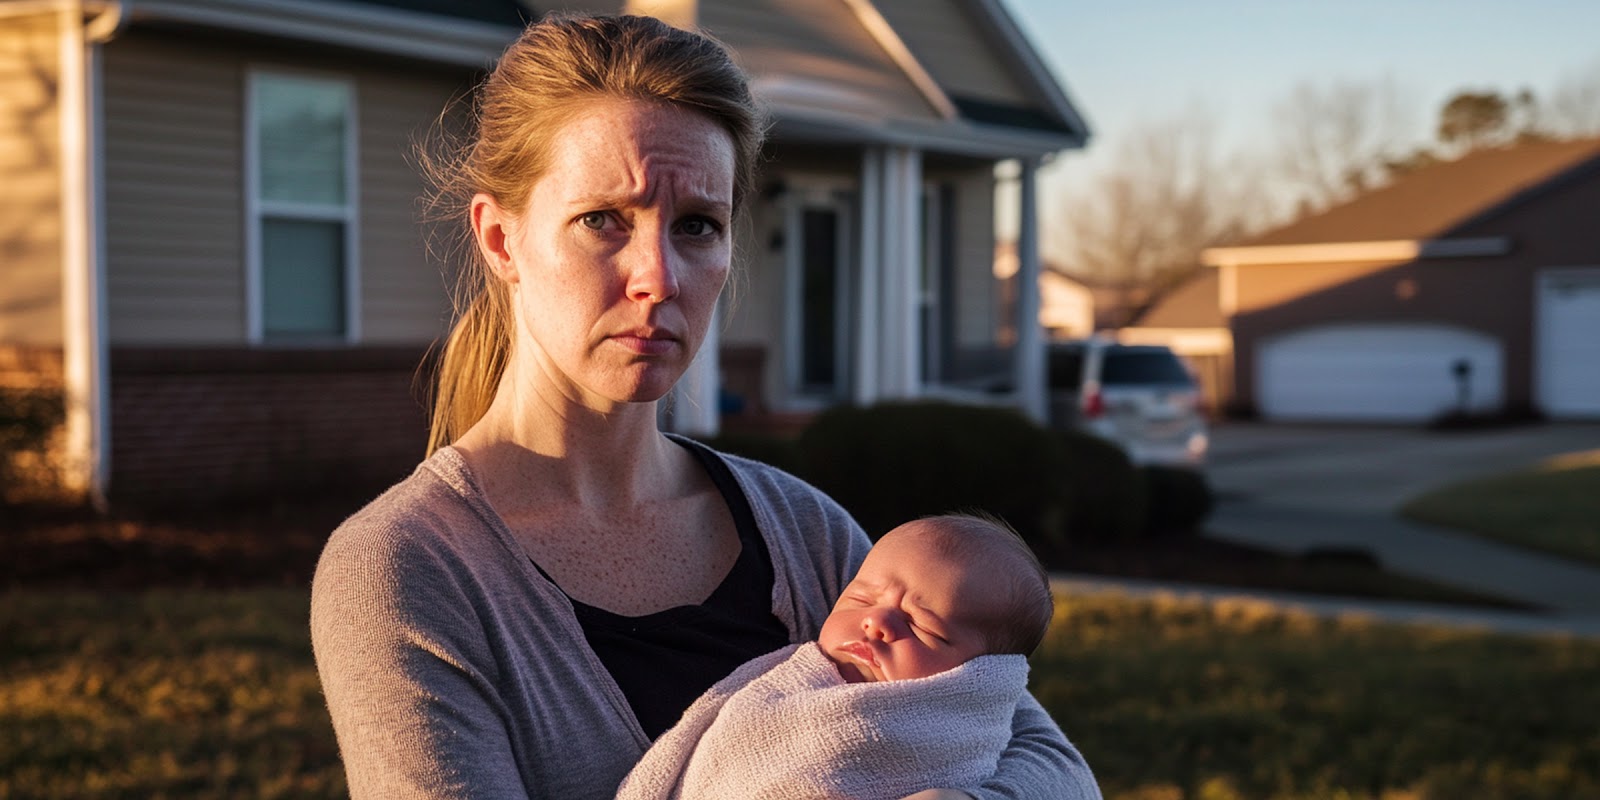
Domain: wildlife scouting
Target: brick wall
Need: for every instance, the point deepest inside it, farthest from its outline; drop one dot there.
(207, 426)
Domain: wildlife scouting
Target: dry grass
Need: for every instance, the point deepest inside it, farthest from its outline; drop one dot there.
(1554, 508)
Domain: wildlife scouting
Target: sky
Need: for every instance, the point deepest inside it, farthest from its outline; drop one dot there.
(1132, 63)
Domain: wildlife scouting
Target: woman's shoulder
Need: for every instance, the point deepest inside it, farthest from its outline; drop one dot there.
(434, 515)
(768, 485)
(801, 525)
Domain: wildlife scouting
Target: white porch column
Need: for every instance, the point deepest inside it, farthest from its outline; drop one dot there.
(695, 409)
(85, 377)
(1030, 355)
(866, 331)
(901, 339)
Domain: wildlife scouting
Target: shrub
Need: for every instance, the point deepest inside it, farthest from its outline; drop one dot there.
(28, 420)
(1099, 491)
(894, 462)
(1177, 500)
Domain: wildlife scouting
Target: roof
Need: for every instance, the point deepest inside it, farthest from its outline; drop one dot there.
(1004, 83)
(828, 70)
(1434, 201)
(1195, 303)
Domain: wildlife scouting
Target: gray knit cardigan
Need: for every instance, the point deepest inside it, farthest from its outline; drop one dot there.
(453, 669)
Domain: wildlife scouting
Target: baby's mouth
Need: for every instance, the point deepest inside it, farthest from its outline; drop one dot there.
(861, 653)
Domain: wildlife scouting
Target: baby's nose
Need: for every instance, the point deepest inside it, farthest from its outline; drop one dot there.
(884, 624)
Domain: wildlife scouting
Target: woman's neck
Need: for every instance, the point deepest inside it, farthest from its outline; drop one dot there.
(533, 444)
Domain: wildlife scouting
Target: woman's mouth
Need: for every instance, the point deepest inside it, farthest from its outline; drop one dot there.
(646, 342)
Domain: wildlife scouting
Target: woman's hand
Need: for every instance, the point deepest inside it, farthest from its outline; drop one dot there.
(940, 794)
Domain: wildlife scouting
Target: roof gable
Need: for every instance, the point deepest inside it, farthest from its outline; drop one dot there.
(1434, 201)
(984, 62)
(1195, 303)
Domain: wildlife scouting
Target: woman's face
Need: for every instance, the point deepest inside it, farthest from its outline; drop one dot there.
(616, 264)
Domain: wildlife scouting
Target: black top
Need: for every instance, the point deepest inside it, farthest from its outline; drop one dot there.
(663, 661)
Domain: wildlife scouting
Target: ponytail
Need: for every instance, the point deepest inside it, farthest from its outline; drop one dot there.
(469, 371)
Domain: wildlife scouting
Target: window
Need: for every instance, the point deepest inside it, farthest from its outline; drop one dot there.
(300, 187)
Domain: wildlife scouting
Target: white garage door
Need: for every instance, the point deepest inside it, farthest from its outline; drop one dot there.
(1568, 377)
(1376, 372)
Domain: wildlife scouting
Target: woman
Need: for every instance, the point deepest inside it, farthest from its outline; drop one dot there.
(559, 580)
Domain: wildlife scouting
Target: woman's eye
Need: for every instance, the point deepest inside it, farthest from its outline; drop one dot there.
(594, 220)
(698, 226)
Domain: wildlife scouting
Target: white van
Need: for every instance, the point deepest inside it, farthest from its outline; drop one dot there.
(1142, 397)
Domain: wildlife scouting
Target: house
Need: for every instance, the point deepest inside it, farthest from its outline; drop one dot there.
(1188, 318)
(212, 249)
(1471, 286)
(1066, 305)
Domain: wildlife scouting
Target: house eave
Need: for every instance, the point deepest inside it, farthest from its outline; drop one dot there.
(955, 137)
(1397, 250)
(1022, 52)
(348, 25)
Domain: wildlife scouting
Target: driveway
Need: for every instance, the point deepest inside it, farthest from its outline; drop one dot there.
(1295, 488)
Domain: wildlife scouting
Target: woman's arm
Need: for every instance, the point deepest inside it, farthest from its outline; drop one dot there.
(1039, 763)
(414, 717)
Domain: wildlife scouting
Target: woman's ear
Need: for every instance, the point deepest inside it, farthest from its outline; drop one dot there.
(491, 231)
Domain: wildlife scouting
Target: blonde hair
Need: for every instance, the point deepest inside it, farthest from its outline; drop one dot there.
(556, 65)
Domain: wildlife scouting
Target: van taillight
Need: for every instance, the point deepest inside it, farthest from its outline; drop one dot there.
(1093, 404)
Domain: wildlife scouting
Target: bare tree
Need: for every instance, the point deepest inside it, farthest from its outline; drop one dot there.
(1335, 141)
(1573, 108)
(1144, 217)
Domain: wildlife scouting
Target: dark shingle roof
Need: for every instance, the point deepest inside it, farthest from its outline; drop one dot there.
(1434, 200)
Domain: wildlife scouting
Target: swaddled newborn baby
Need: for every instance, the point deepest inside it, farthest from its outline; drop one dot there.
(911, 685)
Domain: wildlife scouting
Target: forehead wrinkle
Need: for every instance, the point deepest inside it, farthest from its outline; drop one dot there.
(636, 182)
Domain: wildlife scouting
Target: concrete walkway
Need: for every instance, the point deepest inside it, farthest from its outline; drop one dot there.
(1296, 488)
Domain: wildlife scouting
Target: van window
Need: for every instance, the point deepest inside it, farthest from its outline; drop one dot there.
(1143, 366)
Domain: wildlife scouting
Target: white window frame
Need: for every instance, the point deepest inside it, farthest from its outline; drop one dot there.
(255, 208)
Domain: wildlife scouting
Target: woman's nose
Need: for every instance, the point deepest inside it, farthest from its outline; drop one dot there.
(652, 268)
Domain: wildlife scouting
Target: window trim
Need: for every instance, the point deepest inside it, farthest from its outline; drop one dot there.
(255, 208)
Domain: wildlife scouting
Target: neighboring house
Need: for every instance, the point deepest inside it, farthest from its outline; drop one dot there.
(1188, 318)
(211, 241)
(1066, 305)
(1472, 285)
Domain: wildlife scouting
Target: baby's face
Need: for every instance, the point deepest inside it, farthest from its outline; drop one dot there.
(911, 612)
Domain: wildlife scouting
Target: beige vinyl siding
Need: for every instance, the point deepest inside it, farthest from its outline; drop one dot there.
(30, 203)
(947, 42)
(822, 46)
(403, 299)
(175, 194)
(174, 212)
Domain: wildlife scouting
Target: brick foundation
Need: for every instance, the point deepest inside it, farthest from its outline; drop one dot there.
(216, 425)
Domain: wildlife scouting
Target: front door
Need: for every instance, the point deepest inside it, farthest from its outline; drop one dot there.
(819, 298)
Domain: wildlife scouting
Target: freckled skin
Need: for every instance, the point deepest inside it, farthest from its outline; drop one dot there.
(911, 612)
(625, 244)
(614, 267)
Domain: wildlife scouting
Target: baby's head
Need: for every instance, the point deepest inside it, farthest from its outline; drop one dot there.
(935, 593)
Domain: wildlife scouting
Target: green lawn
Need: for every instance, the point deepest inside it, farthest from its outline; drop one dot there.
(1555, 508)
(194, 694)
